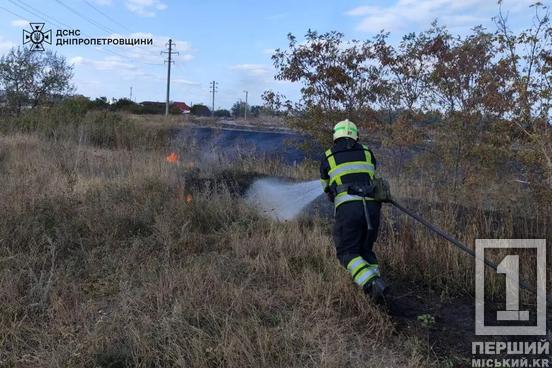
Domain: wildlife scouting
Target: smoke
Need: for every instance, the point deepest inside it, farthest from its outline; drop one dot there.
(282, 200)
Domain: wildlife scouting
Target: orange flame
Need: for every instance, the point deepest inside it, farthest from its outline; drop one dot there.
(173, 158)
(189, 198)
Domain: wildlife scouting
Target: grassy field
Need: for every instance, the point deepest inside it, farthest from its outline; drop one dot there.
(110, 256)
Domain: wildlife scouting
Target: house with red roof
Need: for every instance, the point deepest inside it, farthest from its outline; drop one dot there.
(182, 106)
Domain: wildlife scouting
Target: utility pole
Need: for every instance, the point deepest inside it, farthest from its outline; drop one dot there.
(131, 93)
(245, 107)
(170, 53)
(213, 90)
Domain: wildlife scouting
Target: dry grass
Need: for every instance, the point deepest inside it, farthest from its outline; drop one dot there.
(103, 263)
(413, 253)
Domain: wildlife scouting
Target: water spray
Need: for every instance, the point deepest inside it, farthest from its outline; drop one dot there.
(282, 200)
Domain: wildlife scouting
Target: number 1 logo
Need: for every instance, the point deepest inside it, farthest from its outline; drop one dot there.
(509, 266)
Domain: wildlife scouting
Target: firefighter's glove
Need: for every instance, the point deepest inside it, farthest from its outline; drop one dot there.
(382, 191)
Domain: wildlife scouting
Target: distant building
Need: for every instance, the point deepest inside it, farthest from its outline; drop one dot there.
(182, 106)
(153, 107)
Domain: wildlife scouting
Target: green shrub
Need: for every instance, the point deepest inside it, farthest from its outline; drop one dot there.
(74, 121)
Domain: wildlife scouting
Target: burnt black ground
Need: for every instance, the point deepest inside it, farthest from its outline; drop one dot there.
(235, 141)
(453, 330)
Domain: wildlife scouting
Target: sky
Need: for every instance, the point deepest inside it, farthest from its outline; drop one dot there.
(228, 41)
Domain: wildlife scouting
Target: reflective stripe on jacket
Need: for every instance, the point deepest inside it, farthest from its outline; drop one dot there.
(347, 165)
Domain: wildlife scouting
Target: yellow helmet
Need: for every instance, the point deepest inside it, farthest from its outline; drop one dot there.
(345, 129)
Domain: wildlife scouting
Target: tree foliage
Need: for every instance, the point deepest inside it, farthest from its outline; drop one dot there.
(238, 109)
(200, 110)
(222, 113)
(486, 84)
(337, 77)
(32, 78)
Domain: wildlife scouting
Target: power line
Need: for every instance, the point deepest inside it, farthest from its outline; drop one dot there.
(114, 21)
(12, 13)
(37, 13)
(179, 68)
(46, 18)
(105, 16)
(89, 20)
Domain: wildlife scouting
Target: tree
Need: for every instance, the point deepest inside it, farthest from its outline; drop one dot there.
(276, 104)
(125, 104)
(491, 92)
(256, 110)
(222, 113)
(33, 78)
(405, 70)
(527, 56)
(462, 79)
(338, 79)
(100, 103)
(238, 109)
(200, 110)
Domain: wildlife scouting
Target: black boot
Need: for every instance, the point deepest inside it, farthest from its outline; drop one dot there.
(377, 290)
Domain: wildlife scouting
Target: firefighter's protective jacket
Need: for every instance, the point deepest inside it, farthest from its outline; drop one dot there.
(346, 164)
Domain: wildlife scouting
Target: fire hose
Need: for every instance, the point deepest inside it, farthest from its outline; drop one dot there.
(458, 244)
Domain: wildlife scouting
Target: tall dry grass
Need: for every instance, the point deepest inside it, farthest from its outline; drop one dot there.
(413, 253)
(105, 262)
(112, 256)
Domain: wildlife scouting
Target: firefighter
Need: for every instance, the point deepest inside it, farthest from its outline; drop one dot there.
(347, 174)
